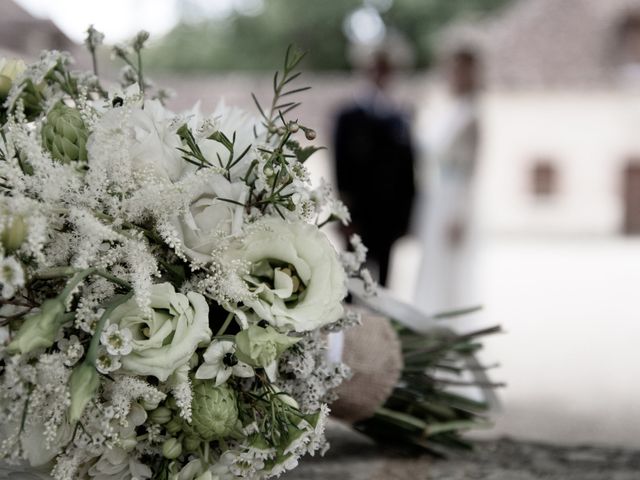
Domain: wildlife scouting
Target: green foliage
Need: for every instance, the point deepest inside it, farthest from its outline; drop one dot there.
(242, 42)
(422, 20)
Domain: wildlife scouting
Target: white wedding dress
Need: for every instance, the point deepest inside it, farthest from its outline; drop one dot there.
(445, 278)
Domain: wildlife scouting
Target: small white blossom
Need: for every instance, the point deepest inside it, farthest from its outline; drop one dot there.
(220, 362)
(340, 211)
(370, 284)
(106, 363)
(352, 261)
(117, 341)
(72, 350)
(11, 276)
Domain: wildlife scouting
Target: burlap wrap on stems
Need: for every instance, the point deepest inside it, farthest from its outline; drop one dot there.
(373, 352)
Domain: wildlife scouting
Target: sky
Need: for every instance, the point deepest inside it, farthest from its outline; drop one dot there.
(121, 19)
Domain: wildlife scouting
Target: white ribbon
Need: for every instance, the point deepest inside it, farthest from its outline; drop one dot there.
(335, 347)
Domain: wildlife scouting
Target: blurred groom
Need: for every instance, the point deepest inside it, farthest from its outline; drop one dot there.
(374, 167)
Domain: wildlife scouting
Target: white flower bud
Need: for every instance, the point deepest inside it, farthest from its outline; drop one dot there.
(171, 449)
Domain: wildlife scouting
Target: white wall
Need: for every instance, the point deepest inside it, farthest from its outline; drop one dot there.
(590, 135)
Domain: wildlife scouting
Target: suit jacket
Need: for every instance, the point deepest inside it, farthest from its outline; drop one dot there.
(374, 168)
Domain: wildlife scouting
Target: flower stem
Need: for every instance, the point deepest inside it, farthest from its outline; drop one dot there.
(92, 353)
(94, 62)
(206, 452)
(77, 278)
(328, 220)
(225, 325)
(57, 272)
(140, 79)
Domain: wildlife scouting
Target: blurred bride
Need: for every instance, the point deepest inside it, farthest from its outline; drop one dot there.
(446, 223)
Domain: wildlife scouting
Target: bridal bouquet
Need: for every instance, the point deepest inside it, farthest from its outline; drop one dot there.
(166, 289)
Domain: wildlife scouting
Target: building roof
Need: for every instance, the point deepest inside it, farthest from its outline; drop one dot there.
(25, 34)
(550, 43)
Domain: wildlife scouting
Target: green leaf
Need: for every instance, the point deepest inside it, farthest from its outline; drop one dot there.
(303, 154)
(220, 137)
(400, 418)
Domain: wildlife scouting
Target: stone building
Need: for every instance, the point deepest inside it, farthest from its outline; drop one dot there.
(561, 116)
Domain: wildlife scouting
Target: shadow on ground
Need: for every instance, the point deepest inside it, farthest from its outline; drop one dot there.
(353, 457)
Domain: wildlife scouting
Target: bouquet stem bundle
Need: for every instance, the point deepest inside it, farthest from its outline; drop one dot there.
(416, 383)
(424, 411)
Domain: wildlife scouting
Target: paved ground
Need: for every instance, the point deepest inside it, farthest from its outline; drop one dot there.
(569, 355)
(355, 458)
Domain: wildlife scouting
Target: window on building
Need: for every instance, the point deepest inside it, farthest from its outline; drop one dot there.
(544, 179)
(631, 186)
(628, 43)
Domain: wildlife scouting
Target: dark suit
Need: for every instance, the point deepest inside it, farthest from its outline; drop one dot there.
(374, 169)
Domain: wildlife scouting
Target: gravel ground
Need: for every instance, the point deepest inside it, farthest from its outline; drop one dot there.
(353, 457)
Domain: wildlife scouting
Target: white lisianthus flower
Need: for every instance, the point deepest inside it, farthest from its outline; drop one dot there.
(156, 141)
(116, 463)
(33, 442)
(220, 362)
(295, 275)
(166, 340)
(216, 209)
(10, 68)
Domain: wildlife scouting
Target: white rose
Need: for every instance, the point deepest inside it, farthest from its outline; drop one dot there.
(295, 275)
(215, 209)
(156, 141)
(165, 341)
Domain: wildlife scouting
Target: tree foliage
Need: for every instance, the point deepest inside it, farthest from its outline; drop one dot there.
(242, 42)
